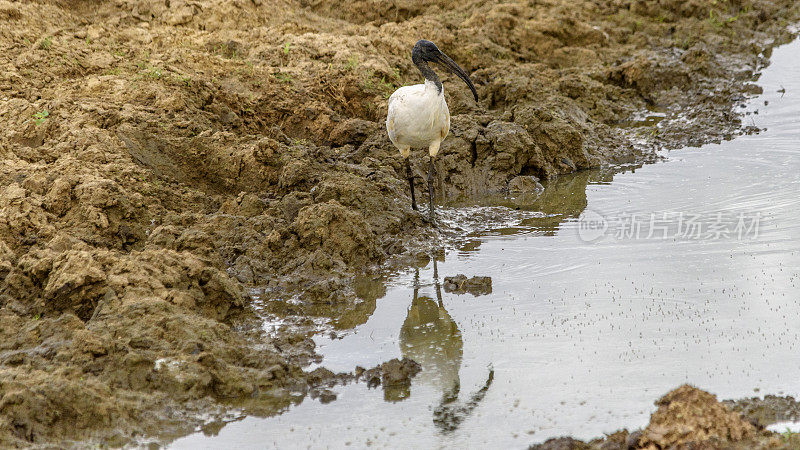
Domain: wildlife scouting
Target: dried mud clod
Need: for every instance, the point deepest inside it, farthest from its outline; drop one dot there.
(460, 284)
(394, 376)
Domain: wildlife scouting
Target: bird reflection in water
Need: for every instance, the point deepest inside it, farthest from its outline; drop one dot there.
(431, 337)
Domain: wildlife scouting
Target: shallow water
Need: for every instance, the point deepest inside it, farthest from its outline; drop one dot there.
(686, 271)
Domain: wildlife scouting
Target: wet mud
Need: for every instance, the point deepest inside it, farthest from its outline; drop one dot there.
(172, 172)
(460, 284)
(394, 376)
(767, 410)
(690, 418)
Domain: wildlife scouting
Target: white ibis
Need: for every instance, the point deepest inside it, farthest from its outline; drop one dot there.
(418, 115)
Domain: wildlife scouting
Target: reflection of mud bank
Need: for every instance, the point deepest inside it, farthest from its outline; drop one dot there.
(160, 158)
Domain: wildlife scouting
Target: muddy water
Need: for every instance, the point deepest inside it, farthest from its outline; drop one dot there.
(624, 286)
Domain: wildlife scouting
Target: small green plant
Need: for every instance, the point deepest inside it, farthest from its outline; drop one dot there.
(738, 14)
(381, 86)
(717, 21)
(41, 117)
(185, 81)
(154, 73)
(713, 20)
(283, 77)
(37, 316)
(248, 69)
(352, 63)
(286, 47)
(142, 64)
(385, 85)
(46, 43)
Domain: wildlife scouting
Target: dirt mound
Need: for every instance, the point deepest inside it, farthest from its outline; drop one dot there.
(687, 418)
(687, 415)
(160, 160)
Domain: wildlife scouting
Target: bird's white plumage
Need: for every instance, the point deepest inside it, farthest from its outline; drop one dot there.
(418, 118)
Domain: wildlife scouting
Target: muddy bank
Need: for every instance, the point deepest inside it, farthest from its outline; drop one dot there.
(687, 417)
(160, 160)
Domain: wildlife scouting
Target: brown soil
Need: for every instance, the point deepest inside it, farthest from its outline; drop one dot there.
(767, 410)
(394, 376)
(686, 418)
(687, 415)
(160, 159)
(460, 284)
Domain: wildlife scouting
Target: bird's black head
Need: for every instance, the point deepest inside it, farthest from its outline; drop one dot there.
(426, 51)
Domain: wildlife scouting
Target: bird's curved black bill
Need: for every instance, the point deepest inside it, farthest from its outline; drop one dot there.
(445, 61)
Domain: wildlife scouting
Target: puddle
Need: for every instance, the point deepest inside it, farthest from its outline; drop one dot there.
(785, 427)
(617, 288)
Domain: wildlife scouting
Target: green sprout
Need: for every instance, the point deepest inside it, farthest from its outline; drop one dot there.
(284, 77)
(352, 63)
(46, 43)
(286, 48)
(154, 73)
(40, 117)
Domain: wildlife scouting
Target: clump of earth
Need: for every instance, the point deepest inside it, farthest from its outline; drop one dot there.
(686, 418)
(476, 285)
(161, 162)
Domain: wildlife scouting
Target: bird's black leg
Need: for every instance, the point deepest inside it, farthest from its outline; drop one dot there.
(410, 177)
(430, 194)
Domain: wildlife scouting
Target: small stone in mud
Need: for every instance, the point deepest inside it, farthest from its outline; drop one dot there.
(327, 396)
(460, 284)
(359, 371)
(399, 372)
(320, 376)
(324, 395)
(395, 376)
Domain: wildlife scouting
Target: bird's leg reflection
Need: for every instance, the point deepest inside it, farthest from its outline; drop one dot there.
(431, 337)
(450, 394)
(449, 415)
